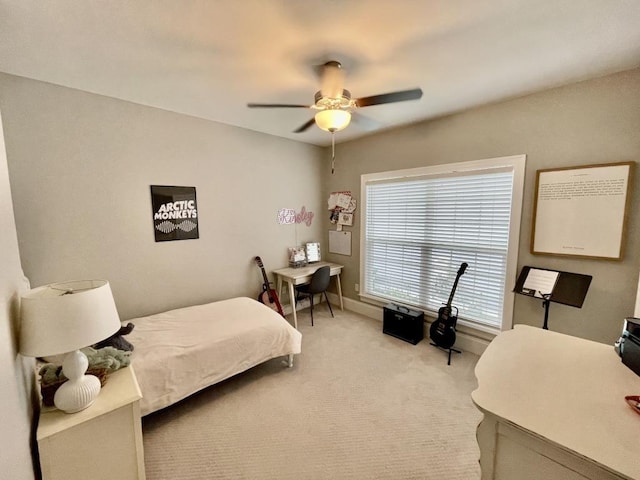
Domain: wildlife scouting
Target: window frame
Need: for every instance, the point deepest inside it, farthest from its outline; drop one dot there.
(516, 164)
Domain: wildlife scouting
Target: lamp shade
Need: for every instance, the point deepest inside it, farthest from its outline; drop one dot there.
(63, 317)
(333, 120)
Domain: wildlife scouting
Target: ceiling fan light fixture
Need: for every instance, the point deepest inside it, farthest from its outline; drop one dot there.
(334, 104)
(333, 120)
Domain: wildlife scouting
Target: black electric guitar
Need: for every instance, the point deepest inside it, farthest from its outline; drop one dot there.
(443, 330)
(268, 296)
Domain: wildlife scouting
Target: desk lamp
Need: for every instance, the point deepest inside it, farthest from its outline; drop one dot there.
(63, 318)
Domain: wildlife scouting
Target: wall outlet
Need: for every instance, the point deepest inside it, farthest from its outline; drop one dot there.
(357, 287)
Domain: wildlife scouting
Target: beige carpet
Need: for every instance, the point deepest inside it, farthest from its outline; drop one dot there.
(357, 404)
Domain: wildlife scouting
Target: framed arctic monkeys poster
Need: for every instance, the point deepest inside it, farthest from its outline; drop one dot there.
(175, 213)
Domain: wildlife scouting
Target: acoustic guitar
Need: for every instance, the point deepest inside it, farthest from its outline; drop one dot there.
(268, 296)
(443, 330)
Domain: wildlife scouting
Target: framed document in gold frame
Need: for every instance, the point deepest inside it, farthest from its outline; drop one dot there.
(582, 211)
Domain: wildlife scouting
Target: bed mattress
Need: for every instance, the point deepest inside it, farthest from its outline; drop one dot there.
(180, 352)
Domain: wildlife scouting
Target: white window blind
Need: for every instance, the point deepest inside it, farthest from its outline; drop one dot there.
(419, 230)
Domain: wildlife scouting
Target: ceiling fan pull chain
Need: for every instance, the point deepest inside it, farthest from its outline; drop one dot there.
(333, 152)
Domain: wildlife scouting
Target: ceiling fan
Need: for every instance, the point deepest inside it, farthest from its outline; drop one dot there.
(334, 104)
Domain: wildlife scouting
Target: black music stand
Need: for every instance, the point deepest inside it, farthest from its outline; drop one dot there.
(553, 286)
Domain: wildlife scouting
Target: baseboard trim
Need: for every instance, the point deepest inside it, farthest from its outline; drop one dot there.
(464, 341)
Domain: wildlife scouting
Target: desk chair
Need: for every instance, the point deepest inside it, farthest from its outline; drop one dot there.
(318, 284)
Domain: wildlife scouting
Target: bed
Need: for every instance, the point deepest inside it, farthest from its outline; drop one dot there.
(180, 352)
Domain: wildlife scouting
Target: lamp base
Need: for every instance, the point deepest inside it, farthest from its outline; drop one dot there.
(80, 390)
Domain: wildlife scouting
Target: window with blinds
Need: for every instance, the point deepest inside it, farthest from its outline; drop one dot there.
(419, 228)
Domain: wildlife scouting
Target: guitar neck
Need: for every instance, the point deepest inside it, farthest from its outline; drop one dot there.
(461, 270)
(265, 279)
(453, 292)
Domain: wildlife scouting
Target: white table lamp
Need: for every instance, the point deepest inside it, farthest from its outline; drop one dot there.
(63, 318)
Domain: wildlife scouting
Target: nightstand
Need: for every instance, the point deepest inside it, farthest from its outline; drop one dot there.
(104, 441)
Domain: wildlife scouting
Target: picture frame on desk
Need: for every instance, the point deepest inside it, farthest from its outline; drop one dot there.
(297, 257)
(313, 252)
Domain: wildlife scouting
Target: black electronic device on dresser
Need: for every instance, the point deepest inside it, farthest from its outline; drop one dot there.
(628, 346)
(403, 323)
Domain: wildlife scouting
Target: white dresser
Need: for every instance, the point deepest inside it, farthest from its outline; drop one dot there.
(104, 441)
(554, 408)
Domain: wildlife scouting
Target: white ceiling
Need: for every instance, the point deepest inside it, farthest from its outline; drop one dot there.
(209, 58)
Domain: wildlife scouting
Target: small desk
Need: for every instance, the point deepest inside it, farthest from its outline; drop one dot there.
(301, 275)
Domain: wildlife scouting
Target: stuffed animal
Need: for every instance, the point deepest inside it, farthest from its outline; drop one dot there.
(106, 358)
(116, 339)
(109, 358)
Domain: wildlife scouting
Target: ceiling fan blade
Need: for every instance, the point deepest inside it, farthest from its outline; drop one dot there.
(365, 123)
(400, 96)
(305, 126)
(275, 105)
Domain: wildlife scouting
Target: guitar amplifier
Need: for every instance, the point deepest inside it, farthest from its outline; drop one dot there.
(403, 323)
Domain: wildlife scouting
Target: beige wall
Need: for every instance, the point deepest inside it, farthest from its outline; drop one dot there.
(592, 122)
(15, 374)
(81, 166)
(83, 207)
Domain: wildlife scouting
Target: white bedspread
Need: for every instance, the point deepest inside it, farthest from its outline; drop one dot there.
(180, 352)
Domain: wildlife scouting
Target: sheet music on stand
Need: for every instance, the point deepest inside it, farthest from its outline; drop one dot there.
(553, 286)
(540, 283)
